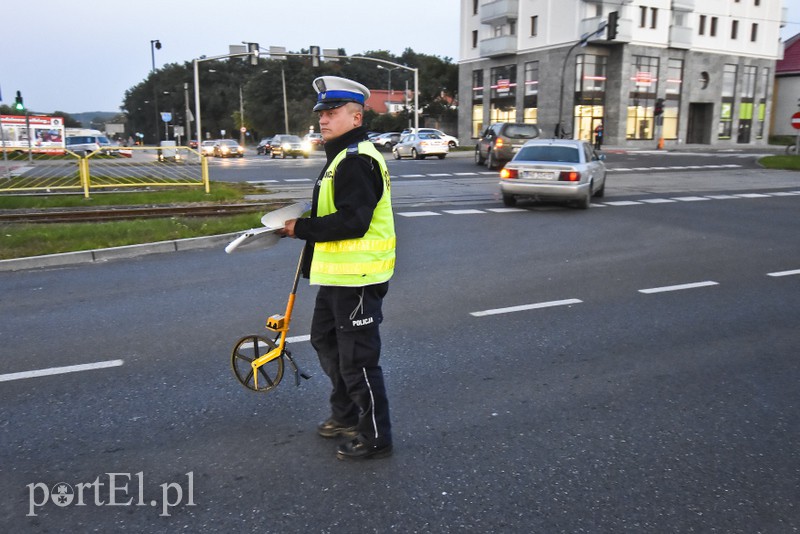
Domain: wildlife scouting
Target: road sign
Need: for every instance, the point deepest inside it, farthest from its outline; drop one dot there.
(796, 121)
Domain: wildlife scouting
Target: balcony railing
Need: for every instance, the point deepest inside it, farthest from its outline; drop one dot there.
(499, 46)
(680, 37)
(499, 11)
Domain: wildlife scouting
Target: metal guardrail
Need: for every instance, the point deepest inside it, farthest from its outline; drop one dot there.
(117, 168)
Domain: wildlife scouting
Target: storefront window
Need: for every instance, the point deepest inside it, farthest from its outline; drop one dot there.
(590, 92)
(725, 128)
(531, 99)
(477, 102)
(502, 104)
(641, 98)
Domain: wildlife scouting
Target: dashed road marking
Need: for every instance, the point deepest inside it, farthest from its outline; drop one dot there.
(524, 307)
(678, 287)
(60, 370)
(784, 273)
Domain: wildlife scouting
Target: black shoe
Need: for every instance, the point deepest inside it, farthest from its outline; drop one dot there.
(332, 429)
(359, 450)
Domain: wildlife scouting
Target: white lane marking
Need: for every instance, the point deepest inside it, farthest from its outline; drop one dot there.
(438, 175)
(784, 193)
(785, 273)
(298, 339)
(690, 199)
(60, 370)
(298, 179)
(411, 176)
(524, 307)
(722, 197)
(463, 212)
(658, 200)
(678, 287)
(418, 213)
(752, 195)
(465, 173)
(622, 203)
(506, 210)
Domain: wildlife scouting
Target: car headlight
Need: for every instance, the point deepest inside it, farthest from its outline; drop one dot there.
(306, 146)
(286, 146)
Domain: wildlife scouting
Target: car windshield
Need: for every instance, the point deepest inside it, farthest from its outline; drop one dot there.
(79, 140)
(228, 142)
(429, 136)
(290, 139)
(560, 154)
(522, 131)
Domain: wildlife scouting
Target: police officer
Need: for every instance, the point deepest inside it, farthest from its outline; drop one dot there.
(350, 255)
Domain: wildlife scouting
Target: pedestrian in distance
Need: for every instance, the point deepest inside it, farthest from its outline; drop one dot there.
(350, 255)
(598, 136)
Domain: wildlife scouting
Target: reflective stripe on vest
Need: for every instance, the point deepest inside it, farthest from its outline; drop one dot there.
(363, 261)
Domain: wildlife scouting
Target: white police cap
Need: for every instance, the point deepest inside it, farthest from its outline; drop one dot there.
(334, 92)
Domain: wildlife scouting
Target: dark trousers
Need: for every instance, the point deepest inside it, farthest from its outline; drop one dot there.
(345, 334)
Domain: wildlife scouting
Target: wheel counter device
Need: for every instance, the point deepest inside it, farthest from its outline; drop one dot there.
(257, 361)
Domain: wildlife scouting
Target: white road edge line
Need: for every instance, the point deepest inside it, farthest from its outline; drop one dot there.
(785, 273)
(60, 370)
(524, 307)
(678, 287)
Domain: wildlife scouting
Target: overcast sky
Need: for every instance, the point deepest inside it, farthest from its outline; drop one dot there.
(81, 55)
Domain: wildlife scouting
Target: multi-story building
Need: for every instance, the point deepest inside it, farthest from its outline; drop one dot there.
(709, 65)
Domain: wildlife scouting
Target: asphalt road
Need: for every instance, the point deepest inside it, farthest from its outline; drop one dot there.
(629, 368)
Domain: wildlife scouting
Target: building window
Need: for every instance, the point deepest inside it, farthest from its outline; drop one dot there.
(474, 38)
(642, 97)
(754, 32)
(713, 30)
(747, 103)
(534, 26)
(530, 111)
(726, 106)
(477, 102)
(590, 93)
(642, 16)
(758, 3)
(762, 102)
(474, 7)
(734, 29)
(672, 102)
(503, 96)
(702, 26)
(653, 16)
(512, 27)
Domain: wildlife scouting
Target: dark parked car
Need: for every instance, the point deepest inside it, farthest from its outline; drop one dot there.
(499, 142)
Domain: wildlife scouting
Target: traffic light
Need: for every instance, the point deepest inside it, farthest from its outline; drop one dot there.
(659, 110)
(252, 48)
(613, 22)
(18, 104)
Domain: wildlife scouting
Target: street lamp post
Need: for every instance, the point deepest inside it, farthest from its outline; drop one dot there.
(155, 44)
(388, 85)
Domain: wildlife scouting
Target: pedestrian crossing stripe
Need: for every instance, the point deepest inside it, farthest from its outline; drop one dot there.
(613, 203)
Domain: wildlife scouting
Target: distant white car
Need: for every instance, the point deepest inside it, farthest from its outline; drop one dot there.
(420, 145)
(452, 142)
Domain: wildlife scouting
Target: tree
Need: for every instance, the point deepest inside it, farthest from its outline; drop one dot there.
(263, 96)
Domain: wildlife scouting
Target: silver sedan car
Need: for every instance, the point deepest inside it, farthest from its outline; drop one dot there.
(563, 170)
(420, 145)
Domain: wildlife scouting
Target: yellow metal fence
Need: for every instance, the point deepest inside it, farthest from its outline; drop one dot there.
(118, 168)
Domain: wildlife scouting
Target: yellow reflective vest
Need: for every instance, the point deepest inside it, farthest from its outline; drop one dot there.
(365, 260)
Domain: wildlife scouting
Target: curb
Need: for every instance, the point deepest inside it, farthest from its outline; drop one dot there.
(115, 253)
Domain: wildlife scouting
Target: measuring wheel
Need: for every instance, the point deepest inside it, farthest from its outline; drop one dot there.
(248, 349)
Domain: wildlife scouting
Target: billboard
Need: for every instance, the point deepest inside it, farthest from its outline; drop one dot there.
(45, 134)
